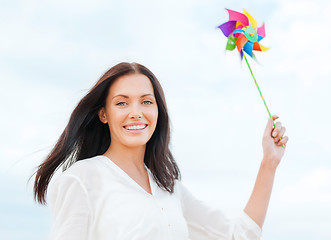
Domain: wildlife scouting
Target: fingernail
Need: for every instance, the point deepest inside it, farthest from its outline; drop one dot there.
(274, 134)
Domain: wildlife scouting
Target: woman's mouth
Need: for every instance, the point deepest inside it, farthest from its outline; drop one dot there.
(135, 127)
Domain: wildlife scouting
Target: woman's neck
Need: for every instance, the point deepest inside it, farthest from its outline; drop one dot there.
(127, 157)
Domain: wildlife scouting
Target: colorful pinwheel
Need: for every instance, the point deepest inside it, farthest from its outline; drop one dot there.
(242, 32)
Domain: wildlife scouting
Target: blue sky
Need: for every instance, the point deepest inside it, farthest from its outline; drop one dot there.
(52, 52)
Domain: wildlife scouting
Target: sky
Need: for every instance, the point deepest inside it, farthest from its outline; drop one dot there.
(52, 52)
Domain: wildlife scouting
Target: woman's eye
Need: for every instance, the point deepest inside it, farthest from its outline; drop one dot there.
(147, 102)
(121, 104)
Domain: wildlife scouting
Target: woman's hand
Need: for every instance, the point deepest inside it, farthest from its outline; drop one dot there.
(273, 152)
(273, 143)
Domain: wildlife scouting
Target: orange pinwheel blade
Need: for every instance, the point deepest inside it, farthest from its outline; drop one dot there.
(241, 42)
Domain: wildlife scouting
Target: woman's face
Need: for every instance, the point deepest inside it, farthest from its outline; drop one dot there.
(131, 110)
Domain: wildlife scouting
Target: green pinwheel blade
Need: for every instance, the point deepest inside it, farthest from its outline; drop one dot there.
(231, 44)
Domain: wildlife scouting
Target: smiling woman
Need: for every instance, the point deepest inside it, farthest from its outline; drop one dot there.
(120, 180)
(88, 134)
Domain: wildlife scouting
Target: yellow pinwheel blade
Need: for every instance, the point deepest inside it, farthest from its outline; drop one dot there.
(251, 19)
(263, 49)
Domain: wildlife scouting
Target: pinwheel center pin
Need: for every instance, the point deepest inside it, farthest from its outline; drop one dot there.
(251, 34)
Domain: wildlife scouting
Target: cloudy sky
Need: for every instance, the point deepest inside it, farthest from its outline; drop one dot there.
(52, 52)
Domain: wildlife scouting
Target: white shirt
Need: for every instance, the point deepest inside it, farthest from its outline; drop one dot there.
(95, 199)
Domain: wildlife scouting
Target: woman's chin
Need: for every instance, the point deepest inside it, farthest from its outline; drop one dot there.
(135, 143)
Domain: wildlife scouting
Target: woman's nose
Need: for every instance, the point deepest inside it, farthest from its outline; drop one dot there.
(135, 112)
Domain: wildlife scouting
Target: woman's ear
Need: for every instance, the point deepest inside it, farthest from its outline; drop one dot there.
(102, 115)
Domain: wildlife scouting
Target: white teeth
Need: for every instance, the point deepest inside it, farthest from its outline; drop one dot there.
(135, 127)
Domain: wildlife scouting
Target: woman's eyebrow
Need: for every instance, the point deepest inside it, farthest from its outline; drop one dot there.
(148, 94)
(125, 96)
(121, 95)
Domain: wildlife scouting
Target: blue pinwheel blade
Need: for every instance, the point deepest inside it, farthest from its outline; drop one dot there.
(238, 31)
(259, 38)
(248, 48)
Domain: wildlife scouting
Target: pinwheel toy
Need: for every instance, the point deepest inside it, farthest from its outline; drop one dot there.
(242, 32)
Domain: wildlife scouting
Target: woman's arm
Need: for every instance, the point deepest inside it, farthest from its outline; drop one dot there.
(273, 151)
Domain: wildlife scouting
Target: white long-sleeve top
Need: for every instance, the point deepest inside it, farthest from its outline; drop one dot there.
(95, 199)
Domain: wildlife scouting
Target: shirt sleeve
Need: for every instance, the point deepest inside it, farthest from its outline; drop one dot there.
(70, 208)
(207, 223)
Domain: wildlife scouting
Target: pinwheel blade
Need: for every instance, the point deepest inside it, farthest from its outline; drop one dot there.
(231, 44)
(261, 30)
(237, 16)
(251, 19)
(239, 25)
(259, 38)
(228, 27)
(241, 42)
(248, 48)
(256, 46)
(263, 49)
(238, 33)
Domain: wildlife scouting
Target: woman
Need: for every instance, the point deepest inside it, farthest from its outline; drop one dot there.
(121, 180)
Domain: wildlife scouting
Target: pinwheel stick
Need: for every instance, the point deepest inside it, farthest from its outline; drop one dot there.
(257, 85)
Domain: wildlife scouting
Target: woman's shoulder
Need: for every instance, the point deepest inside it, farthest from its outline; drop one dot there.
(85, 166)
(85, 173)
(84, 170)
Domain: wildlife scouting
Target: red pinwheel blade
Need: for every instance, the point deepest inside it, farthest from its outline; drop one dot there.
(256, 46)
(237, 16)
(228, 27)
(238, 33)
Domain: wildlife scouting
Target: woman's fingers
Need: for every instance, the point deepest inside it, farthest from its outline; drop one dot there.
(276, 130)
(283, 141)
(280, 135)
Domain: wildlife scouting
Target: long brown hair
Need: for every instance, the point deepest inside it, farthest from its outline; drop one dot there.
(86, 136)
